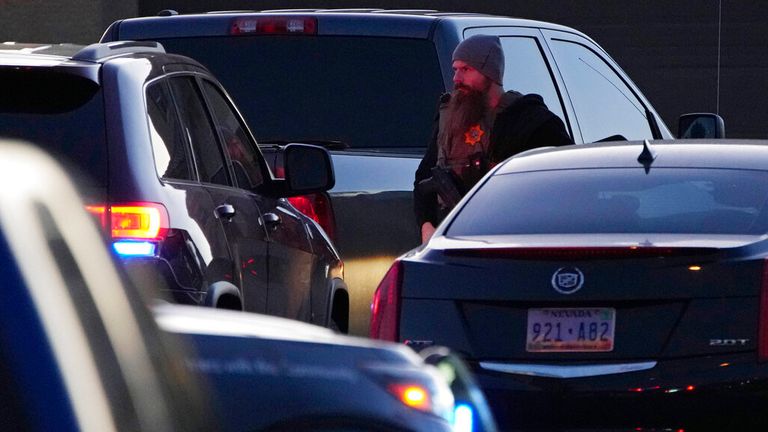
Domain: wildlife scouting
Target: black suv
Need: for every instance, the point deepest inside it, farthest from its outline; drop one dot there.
(170, 169)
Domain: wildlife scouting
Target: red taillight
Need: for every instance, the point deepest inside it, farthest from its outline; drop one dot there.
(762, 331)
(412, 395)
(138, 220)
(318, 207)
(385, 309)
(274, 25)
(100, 212)
(579, 253)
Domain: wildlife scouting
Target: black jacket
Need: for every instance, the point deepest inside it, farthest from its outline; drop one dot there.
(525, 124)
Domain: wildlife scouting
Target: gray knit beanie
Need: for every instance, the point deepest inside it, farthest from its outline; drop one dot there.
(482, 52)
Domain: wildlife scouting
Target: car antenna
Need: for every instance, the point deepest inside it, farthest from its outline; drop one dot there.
(647, 156)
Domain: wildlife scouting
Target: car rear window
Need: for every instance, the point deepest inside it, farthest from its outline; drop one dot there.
(608, 200)
(60, 112)
(368, 92)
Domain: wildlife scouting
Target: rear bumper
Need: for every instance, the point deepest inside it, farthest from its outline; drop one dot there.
(726, 392)
(155, 278)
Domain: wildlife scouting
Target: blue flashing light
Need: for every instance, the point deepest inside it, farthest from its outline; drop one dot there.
(134, 248)
(463, 416)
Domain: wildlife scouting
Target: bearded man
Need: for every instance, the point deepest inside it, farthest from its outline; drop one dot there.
(479, 125)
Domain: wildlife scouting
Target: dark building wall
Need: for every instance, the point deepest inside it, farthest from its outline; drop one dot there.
(74, 21)
(670, 49)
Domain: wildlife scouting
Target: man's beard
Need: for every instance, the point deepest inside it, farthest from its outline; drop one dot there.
(465, 109)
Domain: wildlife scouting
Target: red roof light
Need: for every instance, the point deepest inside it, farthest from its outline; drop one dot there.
(274, 25)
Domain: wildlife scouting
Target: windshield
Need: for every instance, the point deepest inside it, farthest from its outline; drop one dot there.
(366, 92)
(677, 201)
(62, 113)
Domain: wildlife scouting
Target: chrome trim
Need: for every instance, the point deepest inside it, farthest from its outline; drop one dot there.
(555, 371)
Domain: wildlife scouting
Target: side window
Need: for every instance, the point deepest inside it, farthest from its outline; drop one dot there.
(604, 105)
(168, 145)
(242, 153)
(199, 130)
(526, 71)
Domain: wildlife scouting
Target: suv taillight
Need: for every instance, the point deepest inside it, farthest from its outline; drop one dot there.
(318, 207)
(135, 228)
(385, 309)
(762, 331)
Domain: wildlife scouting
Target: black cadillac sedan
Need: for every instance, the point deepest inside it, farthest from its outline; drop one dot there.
(602, 285)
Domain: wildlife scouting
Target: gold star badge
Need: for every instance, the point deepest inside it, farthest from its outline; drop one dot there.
(473, 135)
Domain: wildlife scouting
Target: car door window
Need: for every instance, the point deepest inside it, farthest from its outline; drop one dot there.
(526, 71)
(199, 130)
(242, 154)
(168, 145)
(604, 104)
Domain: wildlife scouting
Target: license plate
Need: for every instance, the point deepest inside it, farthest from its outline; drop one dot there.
(570, 330)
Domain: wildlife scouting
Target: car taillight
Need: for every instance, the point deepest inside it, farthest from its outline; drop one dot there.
(273, 25)
(762, 331)
(385, 309)
(317, 207)
(135, 228)
(412, 395)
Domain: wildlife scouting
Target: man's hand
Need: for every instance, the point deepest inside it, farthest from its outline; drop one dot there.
(427, 229)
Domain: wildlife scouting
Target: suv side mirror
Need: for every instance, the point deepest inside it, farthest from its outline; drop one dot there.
(700, 125)
(308, 169)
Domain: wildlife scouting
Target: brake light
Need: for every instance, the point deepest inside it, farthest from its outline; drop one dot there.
(274, 25)
(317, 207)
(385, 308)
(762, 331)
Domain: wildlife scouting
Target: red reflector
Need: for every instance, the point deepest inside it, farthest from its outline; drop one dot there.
(762, 331)
(578, 253)
(385, 309)
(274, 25)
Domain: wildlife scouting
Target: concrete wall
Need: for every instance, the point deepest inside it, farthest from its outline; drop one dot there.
(74, 21)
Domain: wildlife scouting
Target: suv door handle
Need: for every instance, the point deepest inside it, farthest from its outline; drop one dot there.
(225, 211)
(271, 220)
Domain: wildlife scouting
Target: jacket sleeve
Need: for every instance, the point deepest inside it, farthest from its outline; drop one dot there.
(551, 133)
(424, 203)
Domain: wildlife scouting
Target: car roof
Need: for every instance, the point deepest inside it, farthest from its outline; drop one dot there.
(362, 22)
(85, 60)
(699, 153)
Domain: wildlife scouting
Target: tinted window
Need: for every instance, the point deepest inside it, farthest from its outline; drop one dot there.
(604, 105)
(61, 113)
(171, 159)
(526, 71)
(199, 130)
(366, 92)
(679, 201)
(242, 155)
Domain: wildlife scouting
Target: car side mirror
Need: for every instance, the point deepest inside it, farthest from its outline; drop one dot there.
(308, 169)
(700, 125)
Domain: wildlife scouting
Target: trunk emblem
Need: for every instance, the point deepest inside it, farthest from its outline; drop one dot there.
(567, 280)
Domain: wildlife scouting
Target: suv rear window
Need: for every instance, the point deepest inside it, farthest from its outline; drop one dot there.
(326, 87)
(62, 113)
(675, 201)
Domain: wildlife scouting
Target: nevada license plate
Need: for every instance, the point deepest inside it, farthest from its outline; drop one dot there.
(570, 330)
